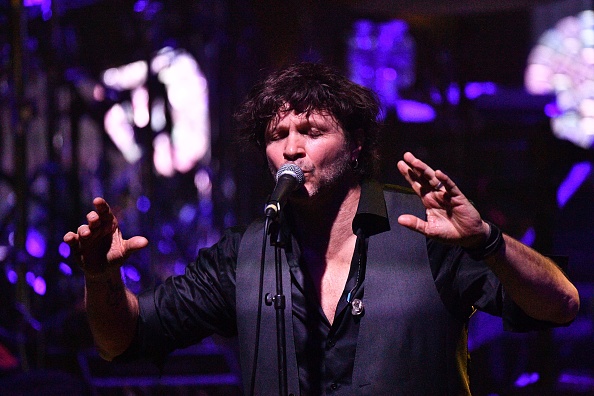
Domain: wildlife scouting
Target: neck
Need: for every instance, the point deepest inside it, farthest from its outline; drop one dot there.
(323, 223)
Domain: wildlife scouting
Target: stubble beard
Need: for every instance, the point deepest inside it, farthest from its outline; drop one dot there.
(329, 182)
(331, 179)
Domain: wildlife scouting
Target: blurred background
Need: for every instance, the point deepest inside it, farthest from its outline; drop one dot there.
(133, 101)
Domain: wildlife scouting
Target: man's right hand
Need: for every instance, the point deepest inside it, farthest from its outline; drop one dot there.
(98, 246)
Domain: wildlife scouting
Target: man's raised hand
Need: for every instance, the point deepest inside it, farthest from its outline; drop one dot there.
(99, 246)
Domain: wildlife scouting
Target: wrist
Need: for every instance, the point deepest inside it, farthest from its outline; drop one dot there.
(102, 276)
(490, 246)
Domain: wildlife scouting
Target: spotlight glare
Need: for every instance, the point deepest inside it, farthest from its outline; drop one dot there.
(140, 101)
(202, 182)
(162, 157)
(561, 63)
(126, 77)
(186, 102)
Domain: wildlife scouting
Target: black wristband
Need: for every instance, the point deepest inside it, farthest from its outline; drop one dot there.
(491, 246)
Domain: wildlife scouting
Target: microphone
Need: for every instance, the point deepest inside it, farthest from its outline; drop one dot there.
(288, 179)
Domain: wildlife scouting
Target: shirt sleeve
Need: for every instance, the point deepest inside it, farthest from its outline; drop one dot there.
(465, 285)
(187, 308)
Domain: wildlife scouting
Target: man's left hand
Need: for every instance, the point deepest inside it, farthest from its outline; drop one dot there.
(451, 218)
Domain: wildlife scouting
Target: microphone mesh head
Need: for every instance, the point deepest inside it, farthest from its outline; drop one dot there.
(292, 170)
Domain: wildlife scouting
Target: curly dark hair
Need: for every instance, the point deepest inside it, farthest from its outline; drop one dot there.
(307, 87)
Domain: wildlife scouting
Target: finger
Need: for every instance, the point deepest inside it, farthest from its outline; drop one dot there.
(412, 222)
(103, 210)
(424, 171)
(405, 171)
(417, 180)
(416, 164)
(135, 243)
(447, 183)
(418, 184)
(84, 231)
(102, 207)
(93, 220)
(409, 157)
(411, 168)
(70, 238)
(410, 176)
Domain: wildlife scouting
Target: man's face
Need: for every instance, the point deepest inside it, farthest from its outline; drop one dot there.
(316, 143)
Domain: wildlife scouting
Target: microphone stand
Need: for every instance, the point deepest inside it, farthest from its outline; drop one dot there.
(279, 305)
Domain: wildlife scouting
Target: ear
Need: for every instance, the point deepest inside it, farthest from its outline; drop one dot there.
(357, 144)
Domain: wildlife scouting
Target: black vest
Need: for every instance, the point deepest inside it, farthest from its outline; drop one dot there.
(408, 343)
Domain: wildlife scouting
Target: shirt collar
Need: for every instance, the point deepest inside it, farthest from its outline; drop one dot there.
(372, 216)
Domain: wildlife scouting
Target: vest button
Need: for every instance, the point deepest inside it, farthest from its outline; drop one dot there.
(357, 307)
(334, 386)
(331, 343)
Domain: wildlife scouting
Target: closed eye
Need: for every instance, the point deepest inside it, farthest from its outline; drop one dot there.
(315, 132)
(276, 135)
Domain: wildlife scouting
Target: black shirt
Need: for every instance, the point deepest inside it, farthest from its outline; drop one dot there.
(192, 306)
(326, 352)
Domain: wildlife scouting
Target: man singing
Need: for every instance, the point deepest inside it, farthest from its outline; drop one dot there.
(380, 281)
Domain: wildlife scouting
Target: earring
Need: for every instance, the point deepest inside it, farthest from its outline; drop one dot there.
(355, 164)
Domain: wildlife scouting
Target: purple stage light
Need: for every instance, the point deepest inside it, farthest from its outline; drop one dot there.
(206, 207)
(64, 250)
(453, 94)
(45, 5)
(179, 267)
(413, 111)
(167, 231)
(576, 177)
(382, 57)
(578, 380)
(526, 379)
(12, 276)
(143, 204)
(165, 247)
(552, 110)
(39, 286)
(131, 273)
(35, 243)
(30, 277)
(529, 237)
(475, 89)
(187, 213)
(65, 269)
(140, 5)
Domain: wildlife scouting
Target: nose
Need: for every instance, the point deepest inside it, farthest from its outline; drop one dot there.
(294, 146)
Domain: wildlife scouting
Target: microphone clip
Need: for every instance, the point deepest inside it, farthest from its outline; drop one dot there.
(272, 209)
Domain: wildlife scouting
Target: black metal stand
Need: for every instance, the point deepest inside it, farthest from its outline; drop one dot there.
(279, 305)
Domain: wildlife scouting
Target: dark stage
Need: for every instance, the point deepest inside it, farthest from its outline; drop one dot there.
(133, 101)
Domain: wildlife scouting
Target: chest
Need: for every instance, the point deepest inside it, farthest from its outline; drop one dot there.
(404, 329)
(330, 287)
(329, 277)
